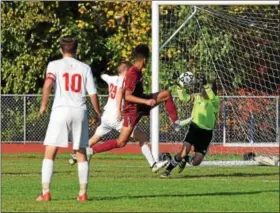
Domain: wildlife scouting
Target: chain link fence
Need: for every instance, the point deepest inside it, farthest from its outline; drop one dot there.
(241, 120)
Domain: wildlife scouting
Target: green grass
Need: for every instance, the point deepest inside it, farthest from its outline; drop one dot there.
(124, 183)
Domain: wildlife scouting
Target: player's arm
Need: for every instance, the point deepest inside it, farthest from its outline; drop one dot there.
(91, 89)
(134, 99)
(105, 77)
(211, 95)
(130, 83)
(47, 88)
(95, 103)
(119, 97)
(184, 96)
(119, 103)
(46, 94)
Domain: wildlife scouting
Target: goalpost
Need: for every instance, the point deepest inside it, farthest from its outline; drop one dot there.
(240, 49)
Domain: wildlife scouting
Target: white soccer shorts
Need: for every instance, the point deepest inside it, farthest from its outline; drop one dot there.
(109, 122)
(67, 124)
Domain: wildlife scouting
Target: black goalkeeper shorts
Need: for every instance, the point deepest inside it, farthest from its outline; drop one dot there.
(199, 138)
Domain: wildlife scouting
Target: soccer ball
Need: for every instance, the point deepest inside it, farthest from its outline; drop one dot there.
(72, 161)
(186, 79)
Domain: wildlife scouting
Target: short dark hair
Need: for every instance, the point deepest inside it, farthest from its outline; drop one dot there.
(141, 51)
(69, 44)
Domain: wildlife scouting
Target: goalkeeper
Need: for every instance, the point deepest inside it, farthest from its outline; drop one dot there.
(201, 124)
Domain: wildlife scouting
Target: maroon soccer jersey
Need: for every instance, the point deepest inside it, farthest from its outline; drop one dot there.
(134, 83)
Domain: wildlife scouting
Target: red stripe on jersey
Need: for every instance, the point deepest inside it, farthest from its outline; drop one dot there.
(50, 78)
(51, 75)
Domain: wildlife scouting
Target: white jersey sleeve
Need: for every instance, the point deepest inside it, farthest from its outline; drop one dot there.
(90, 83)
(51, 74)
(120, 82)
(105, 78)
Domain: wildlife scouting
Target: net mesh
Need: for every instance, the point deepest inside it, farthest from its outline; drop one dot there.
(238, 47)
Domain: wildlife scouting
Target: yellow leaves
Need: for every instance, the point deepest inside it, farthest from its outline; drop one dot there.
(110, 13)
(111, 23)
(169, 53)
(82, 10)
(81, 24)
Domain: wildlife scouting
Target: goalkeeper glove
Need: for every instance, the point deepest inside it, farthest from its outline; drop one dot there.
(175, 78)
(202, 79)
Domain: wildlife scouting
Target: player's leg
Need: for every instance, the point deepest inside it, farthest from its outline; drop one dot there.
(143, 142)
(114, 143)
(56, 136)
(178, 160)
(201, 144)
(166, 97)
(129, 122)
(104, 128)
(186, 148)
(101, 130)
(140, 136)
(79, 135)
(94, 140)
(185, 158)
(47, 172)
(83, 173)
(196, 159)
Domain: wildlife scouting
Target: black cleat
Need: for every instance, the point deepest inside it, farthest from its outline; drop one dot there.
(165, 174)
(182, 165)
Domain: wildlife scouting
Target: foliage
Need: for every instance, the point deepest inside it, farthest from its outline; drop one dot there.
(237, 45)
(107, 33)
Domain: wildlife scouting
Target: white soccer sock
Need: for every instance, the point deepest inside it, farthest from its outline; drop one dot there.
(47, 171)
(148, 155)
(83, 172)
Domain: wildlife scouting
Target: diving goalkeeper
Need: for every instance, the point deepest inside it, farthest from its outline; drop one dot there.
(201, 124)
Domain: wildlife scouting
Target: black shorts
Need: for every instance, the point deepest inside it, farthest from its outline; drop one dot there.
(199, 138)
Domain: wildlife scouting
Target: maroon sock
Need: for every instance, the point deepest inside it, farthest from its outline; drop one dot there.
(106, 146)
(171, 109)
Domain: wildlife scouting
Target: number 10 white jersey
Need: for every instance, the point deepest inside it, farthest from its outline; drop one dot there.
(73, 79)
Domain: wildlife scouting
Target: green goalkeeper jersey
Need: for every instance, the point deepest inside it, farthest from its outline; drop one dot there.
(205, 111)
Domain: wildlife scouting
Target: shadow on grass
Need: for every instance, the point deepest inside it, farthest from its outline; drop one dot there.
(189, 176)
(180, 195)
(224, 175)
(99, 198)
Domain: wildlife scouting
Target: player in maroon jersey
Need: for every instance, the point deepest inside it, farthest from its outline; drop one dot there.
(137, 104)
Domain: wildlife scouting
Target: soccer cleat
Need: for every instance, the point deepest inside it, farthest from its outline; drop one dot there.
(165, 174)
(73, 160)
(182, 165)
(157, 166)
(82, 198)
(44, 197)
(176, 126)
(89, 153)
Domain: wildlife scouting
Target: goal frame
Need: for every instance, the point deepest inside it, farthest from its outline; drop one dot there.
(154, 115)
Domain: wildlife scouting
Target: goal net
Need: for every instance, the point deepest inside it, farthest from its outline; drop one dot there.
(238, 46)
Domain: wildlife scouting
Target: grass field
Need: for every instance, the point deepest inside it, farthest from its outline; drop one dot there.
(124, 183)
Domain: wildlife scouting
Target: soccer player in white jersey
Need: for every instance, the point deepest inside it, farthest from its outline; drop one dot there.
(68, 120)
(112, 118)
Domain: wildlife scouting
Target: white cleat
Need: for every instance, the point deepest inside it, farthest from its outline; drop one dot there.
(159, 165)
(89, 153)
